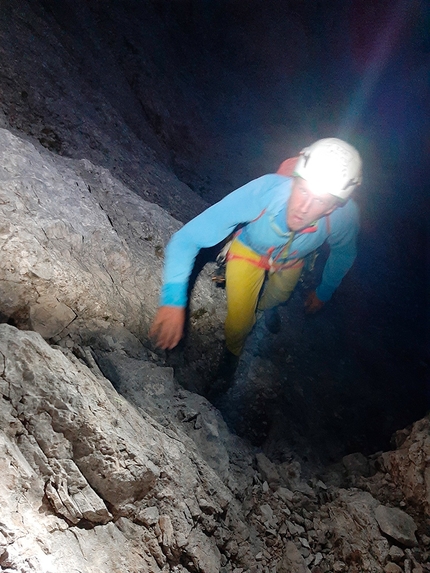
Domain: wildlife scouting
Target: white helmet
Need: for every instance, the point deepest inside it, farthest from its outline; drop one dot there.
(330, 166)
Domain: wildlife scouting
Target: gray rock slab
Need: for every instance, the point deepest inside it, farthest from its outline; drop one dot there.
(356, 464)
(292, 560)
(87, 449)
(397, 524)
(79, 248)
(392, 568)
(268, 470)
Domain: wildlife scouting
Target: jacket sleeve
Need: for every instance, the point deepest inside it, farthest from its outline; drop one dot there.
(207, 229)
(343, 250)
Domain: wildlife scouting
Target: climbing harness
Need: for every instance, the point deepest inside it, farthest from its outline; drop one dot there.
(218, 276)
(267, 261)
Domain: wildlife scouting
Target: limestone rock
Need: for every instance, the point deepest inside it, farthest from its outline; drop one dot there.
(97, 464)
(140, 475)
(79, 250)
(87, 447)
(268, 470)
(49, 316)
(397, 524)
(396, 554)
(392, 568)
(203, 552)
(356, 465)
(409, 465)
(148, 516)
(353, 512)
(285, 494)
(292, 560)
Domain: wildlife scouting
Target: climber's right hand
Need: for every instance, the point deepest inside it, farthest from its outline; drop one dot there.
(168, 326)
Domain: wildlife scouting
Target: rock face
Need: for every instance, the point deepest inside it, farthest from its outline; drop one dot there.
(93, 481)
(409, 464)
(82, 89)
(85, 473)
(78, 248)
(397, 524)
(107, 463)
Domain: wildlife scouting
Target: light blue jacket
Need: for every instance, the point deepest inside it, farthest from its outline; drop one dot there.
(261, 206)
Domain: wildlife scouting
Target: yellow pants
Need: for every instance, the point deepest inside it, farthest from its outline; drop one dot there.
(244, 285)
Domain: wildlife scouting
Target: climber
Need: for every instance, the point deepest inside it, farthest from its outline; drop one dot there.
(277, 220)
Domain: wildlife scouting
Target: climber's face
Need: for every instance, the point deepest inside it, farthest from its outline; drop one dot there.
(305, 207)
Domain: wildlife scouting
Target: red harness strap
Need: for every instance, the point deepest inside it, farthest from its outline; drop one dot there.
(265, 261)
